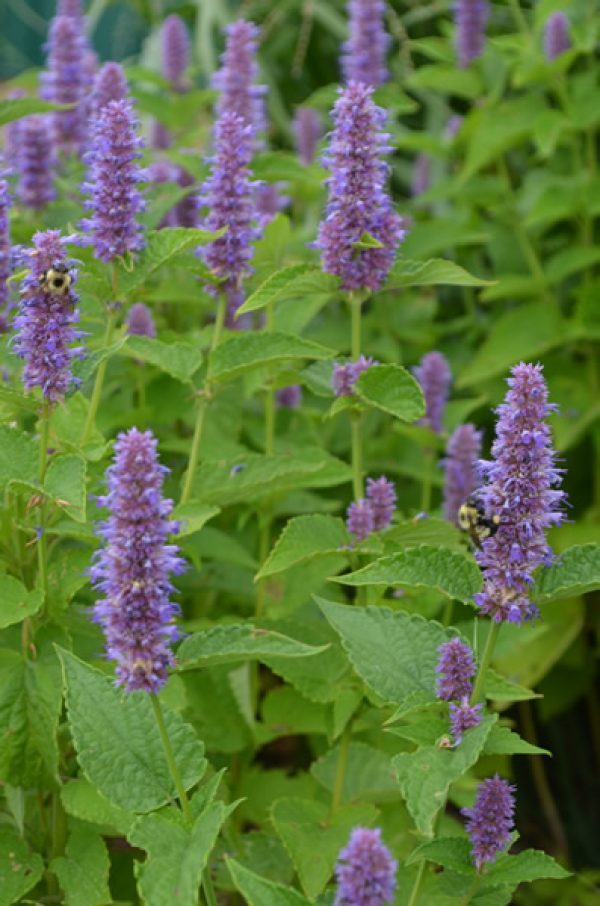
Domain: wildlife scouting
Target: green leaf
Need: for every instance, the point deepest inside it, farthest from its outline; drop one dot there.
(290, 283)
(16, 108)
(16, 602)
(276, 166)
(237, 644)
(367, 241)
(435, 272)
(575, 572)
(193, 516)
(394, 653)
(18, 456)
(83, 871)
(448, 79)
(176, 856)
(369, 774)
(258, 891)
(313, 838)
(425, 775)
(180, 360)
(393, 390)
(20, 870)
(82, 800)
(495, 129)
(257, 350)
(161, 247)
(176, 111)
(450, 852)
(454, 573)
(432, 531)
(502, 741)
(303, 538)
(500, 689)
(65, 483)
(529, 865)
(118, 746)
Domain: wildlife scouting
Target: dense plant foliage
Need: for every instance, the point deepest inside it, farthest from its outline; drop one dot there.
(269, 342)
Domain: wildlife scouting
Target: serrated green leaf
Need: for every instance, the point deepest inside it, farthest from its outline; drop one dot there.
(20, 870)
(313, 838)
(82, 800)
(15, 108)
(435, 272)
(16, 602)
(258, 891)
(500, 689)
(237, 644)
(83, 871)
(66, 482)
(303, 538)
(193, 516)
(450, 852)
(529, 865)
(289, 283)
(118, 746)
(454, 573)
(394, 653)
(393, 390)
(425, 775)
(502, 741)
(180, 360)
(575, 572)
(176, 856)
(246, 351)
(161, 247)
(369, 773)
(18, 456)
(432, 531)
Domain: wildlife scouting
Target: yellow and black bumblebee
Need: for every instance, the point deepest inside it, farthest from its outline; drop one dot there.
(473, 520)
(57, 280)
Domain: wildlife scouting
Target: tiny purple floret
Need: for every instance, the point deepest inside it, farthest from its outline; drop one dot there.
(175, 49)
(365, 871)
(360, 519)
(110, 84)
(67, 82)
(236, 79)
(140, 321)
(35, 163)
(289, 397)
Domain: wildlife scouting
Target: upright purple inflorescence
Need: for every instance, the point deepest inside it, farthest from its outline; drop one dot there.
(456, 669)
(470, 18)
(360, 519)
(434, 376)
(345, 376)
(44, 326)
(289, 397)
(110, 84)
(67, 82)
(363, 54)
(365, 872)
(69, 8)
(5, 256)
(557, 39)
(236, 79)
(228, 195)
(133, 568)
(140, 321)
(460, 468)
(114, 198)
(307, 130)
(490, 821)
(463, 716)
(358, 202)
(175, 51)
(35, 163)
(382, 496)
(520, 481)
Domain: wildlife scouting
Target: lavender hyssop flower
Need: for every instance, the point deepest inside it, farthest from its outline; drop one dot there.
(470, 18)
(520, 488)
(382, 496)
(365, 872)
(175, 51)
(236, 79)
(345, 376)
(35, 163)
(307, 131)
(5, 255)
(463, 717)
(363, 54)
(360, 519)
(140, 321)
(557, 39)
(67, 82)
(456, 669)
(109, 84)
(45, 325)
(460, 469)
(132, 569)
(434, 376)
(289, 397)
(490, 821)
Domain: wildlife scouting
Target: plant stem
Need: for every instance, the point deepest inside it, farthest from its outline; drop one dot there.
(340, 773)
(42, 545)
(356, 310)
(488, 651)
(264, 534)
(472, 890)
(170, 756)
(357, 466)
(426, 486)
(414, 894)
(209, 891)
(99, 381)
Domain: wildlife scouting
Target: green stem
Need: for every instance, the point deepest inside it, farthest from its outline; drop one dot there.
(170, 756)
(209, 891)
(356, 309)
(414, 895)
(357, 465)
(472, 890)
(486, 658)
(42, 545)
(340, 773)
(426, 486)
(99, 381)
(264, 535)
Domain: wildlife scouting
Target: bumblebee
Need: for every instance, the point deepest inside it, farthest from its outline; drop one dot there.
(473, 520)
(57, 280)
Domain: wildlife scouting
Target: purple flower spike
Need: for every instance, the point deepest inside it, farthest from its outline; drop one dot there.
(140, 321)
(345, 376)
(365, 872)
(470, 17)
(67, 82)
(382, 496)
(434, 376)
(490, 821)
(456, 669)
(289, 397)
(269, 202)
(519, 490)
(110, 84)
(132, 570)
(186, 210)
(35, 163)
(358, 202)
(557, 39)
(114, 176)
(460, 468)
(462, 718)
(236, 79)
(175, 51)
(5, 256)
(69, 8)
(160, 137)
(360, 519)
(363, 55)
(12, 135)
(228, 193)
(307, 129)
(45, 323)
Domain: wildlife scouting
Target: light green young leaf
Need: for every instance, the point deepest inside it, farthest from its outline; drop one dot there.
(82, 800)
(313, 838)
(161, 247)
(367, 241)
(117, 742)
(503, 741)
(303, 538)
(83, 871)
(180, 360)
(448, 79)
(18, 456)
(16, 602)
(500, 689)
(575, 572)
(290, 283)
(529, 865)
(425, 775)
(449, 852)
(435, 272)
(237, 644)
(393, 390)
(454, 573)
(15, 108)
(65, 483)
(431, 531)
(258, 891)
(246, 351)
(193, 516)
(20, 870)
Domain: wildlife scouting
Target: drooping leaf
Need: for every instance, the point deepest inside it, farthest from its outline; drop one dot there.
(575, 572)
(20, 870)
(450, 852)
(393, 390)
(258, 350)
(435, 272)
(83, 870)
(193, 516)
(303, 538)
(237, 644)
(258, 891)
(503, 741)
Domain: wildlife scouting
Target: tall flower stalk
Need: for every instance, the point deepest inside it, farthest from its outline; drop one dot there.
(365, 871)
(236, 79)
(35, 163)
(470, 18)
(363, 54)
(66, 81)
(5, 256)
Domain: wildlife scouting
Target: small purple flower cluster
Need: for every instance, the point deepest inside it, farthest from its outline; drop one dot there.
(67, 82)
(363, 54)
(435, 377)
(133, 568)
(110, 84)
(345, 376)
(140, 321)
(471, 19)
(456, 669)
(365, 871)
(236, 79)
(35, 163)
(175, 51)
(557, 39)
(289, 397)
(307, 130)
(374, 512)
(5, 256)
(460, 467)
(490, 821)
